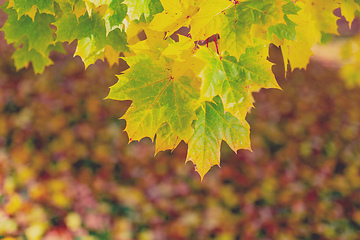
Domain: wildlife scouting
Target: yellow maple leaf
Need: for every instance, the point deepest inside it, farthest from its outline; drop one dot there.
(176, 14)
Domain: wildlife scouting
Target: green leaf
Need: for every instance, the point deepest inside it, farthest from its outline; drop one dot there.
(234, 22)
(116, 13)
(232, 79)
(238, 20)
(117, 39)
(211, 127)
(23, 56)
(256, 67)
(91, 34)
(226, 79)
(67, 25)
(158, 96)
(38, 32)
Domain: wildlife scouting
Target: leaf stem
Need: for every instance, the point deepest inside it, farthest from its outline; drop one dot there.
(217, 49)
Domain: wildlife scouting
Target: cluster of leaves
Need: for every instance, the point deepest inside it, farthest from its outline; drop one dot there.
(66, 172)
(195, 86)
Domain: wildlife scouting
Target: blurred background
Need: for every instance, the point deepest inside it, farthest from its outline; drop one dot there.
(68, 172)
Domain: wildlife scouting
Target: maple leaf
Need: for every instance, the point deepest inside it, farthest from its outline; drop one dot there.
(158, 96)
(176, 14)
(314, 18)
(240, 19)
(321, 12)
(23, 56)
(17, 30)
(298, 51)
(212, 126)
(91, 35)
(232, 79)
(115, 15)
(24, 33)
(233, 21)
(205, 22)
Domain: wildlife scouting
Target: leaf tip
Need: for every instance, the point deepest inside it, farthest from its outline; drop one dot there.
(201, 174)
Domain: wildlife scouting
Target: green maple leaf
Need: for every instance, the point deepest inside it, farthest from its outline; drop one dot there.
(256, 67)
(224, 78)
(38, 32)
(212, 126)
(30, 6)
(116, 14)
(91, 34)
(239, 19)
(34, 39)
(158, 96)
(232, 79)
(67, 24)
(23, 56)
(117, 39)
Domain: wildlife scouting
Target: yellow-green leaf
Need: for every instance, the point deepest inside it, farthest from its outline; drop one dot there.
(212, 126)
(157, 97)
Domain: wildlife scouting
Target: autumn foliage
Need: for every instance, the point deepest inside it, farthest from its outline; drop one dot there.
(193, 64)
